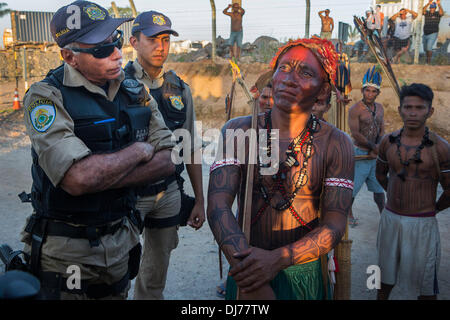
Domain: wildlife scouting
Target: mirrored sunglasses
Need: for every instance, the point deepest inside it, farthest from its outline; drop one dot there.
(105, 49)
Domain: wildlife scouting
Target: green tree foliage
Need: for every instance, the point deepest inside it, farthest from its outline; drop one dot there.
(3, 10)
(123, 11)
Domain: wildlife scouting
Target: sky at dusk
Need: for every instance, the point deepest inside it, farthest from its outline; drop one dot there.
(280, 19)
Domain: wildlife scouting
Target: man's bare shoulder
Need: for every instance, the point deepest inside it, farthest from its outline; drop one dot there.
(340, 136)
(244, 123)
(388, 138)
(442, 145)
(332, 134)
(355, 108)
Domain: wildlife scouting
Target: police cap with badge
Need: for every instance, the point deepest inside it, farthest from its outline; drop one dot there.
(95, 26)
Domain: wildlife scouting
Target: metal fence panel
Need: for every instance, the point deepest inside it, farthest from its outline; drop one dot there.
(34, 26)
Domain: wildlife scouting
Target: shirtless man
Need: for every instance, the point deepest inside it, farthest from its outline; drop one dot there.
(287, 237)
(416, 161)
(367, 128)
(327, 24)
(236, 33)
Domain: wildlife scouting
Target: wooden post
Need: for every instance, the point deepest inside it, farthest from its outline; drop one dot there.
(307, 19)
(419, 27)
(133, 8)
(116, 11)
(213, 24)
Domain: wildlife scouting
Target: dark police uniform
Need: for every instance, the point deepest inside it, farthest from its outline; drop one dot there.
(68, 118)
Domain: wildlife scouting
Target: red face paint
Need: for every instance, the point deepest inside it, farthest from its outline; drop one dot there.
(298, 79)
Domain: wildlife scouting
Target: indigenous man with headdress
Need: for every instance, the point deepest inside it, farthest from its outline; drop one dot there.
(367, 128)
(416, 160)
(314, 167)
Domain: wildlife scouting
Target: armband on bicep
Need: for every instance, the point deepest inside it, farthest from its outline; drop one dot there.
(338, 182)
(222, 163)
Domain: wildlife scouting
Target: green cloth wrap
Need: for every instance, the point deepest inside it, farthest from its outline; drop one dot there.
(297, 282)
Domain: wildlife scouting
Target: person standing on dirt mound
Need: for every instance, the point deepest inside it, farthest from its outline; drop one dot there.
(431, 26)
(164, 205)
(410, 164)
(327, 24)
(282, 257)
(94, 138)
(236, 33)
(403, 32)
(365, 119)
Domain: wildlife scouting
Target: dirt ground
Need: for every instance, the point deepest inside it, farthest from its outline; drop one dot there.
(194, 271)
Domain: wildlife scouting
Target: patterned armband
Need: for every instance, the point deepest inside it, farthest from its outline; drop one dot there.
(337, 182)
(224, 162)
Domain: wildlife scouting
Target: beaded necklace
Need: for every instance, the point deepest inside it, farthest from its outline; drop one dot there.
(416, 157)
(304, 139)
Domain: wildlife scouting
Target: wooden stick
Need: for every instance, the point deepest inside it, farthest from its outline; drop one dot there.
(232, 93)
(252, 148)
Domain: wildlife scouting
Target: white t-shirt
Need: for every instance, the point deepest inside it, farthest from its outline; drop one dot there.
(403, 28)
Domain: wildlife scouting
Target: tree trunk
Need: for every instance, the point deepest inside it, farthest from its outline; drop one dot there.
(213, 42)
(308, 14)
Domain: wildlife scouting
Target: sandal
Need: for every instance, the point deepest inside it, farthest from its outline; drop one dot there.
(221, 291)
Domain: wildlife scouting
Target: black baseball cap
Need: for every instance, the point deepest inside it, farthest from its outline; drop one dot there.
(94, 23)
(151, 23)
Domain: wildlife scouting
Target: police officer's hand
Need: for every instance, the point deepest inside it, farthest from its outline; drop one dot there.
(197, 216)
(148, 151)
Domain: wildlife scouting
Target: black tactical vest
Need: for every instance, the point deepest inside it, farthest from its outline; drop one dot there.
(105, 127)
(170, 99)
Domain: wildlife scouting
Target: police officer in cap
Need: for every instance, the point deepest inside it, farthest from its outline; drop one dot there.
(94, 139)
(160, 203)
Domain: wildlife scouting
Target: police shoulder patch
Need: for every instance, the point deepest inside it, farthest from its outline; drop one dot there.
(177, 102)
(42, 114)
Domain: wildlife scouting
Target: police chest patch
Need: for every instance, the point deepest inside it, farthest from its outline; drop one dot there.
(177, 103)
(42, 114)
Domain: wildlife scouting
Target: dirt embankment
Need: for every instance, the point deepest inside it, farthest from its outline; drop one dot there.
(210, 83)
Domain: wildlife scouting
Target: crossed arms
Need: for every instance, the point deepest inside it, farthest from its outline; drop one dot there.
(135, 165)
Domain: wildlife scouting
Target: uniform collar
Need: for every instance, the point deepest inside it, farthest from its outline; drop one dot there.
(143, 76)
(74, 78)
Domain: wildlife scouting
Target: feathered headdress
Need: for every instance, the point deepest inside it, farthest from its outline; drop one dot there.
(372, 78)
(321, 48)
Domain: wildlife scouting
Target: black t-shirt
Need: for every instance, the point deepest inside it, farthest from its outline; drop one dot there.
(431, 22)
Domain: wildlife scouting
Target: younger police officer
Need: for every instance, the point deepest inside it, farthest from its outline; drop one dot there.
(160, 203)
(93, 140)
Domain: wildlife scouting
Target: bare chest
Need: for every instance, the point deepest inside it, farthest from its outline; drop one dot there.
(412, 161)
